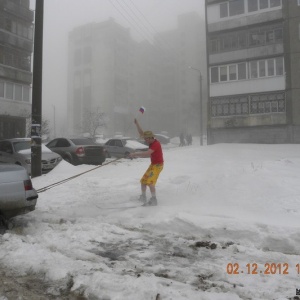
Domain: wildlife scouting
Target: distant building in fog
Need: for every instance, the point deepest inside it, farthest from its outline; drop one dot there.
(98, 73)
(16, 45)
(108, 70)
(182, 48)
(253, 57)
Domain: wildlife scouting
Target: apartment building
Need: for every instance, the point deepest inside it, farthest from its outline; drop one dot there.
(253, 69)
(16, 47)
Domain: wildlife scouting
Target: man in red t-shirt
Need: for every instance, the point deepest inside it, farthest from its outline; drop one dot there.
(157, 163)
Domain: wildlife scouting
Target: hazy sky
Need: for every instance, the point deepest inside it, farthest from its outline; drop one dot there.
(143, 17)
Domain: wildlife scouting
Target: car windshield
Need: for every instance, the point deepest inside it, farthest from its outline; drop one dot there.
(22, 145)
(83, 142)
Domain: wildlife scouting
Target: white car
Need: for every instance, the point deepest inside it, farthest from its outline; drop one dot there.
(17, 196)
(18, 151)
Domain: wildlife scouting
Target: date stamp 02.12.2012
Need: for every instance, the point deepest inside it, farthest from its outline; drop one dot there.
(266, 269)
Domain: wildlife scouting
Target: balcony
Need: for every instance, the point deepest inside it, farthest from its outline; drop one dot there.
(246, 54)
(244, 20)
(15, 74)
(17, 10)
(15, 41)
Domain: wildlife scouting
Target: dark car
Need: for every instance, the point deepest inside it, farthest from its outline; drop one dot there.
(121, 147)
(78, 150)
(18, 151)
(17, 196)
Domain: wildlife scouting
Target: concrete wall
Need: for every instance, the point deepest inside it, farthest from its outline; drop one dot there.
(256, 85)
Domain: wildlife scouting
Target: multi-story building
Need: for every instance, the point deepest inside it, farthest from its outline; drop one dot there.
(254, 68)
(16, 46)
(182, 63)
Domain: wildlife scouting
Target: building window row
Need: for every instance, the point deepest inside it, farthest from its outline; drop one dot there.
(14, 91)
(239, 7)
(248, 105)
(247, 38)
(18, 28)
(16, 59)
(247, 70)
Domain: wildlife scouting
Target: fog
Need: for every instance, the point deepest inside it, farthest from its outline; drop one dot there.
(144, 18)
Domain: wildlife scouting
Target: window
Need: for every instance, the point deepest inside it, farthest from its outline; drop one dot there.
(299, 2)
(253, 69)
(253, 38)
(232, 72)
(252, 5)
(242, 71)
(262, 68)
(214, 46)
(214, 74)
(279, 65)
(242, 39)
(223, 73)
(236, 7)
(223, 10)
(9, 91)
(270, 36)
(18, 92)
(263, 4)
(270, 66)
(278, 34)
(26, 93)
(275, 3)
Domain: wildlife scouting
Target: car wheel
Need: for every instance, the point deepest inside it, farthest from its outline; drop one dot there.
(126, 154)
(108, 155)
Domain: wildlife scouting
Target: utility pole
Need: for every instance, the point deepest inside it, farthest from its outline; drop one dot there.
(36, 138)
(200, 98)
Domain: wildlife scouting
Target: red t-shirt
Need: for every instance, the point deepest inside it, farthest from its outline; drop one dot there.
(157, 155)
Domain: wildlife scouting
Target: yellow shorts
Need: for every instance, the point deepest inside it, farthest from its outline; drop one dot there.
(151, 175)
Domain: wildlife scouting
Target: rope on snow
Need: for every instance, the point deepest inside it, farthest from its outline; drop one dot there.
(72, 177)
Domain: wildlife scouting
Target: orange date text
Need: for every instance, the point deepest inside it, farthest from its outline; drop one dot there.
(267, 269)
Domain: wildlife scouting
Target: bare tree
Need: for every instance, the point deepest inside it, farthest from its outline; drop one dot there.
(93, 121)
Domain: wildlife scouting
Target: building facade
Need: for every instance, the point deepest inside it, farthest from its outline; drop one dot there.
(16, 47)
(253, 70)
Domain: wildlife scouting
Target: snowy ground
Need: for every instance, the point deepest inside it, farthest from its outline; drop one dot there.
(227, 208)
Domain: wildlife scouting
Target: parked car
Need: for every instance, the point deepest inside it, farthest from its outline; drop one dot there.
(163, 139)
(78, 150)
(17, 196)
(121, 147)
(18, 151)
